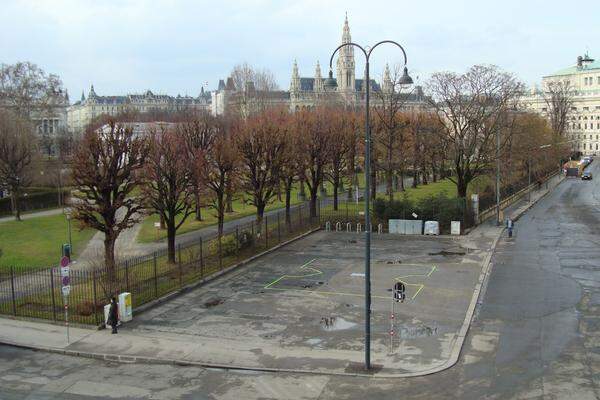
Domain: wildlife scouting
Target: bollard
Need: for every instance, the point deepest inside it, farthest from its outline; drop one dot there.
(379, 229)
(338, 226)
(358, 228)
(328, 226)
(348, 227)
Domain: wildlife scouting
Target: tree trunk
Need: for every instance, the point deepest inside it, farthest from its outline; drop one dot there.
(389, 184)
(415, 176)
(109, 264)
(336, 186)
(171, 240)
(373, 183)
(313, 202)
(260, 212)
(288, 201)
(14, 201)
(198, 205)
(229, 201)
(461, 187)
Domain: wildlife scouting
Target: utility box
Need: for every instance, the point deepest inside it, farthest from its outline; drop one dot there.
(455, 227)
(125, 308)
(432, 228)
(106, 312)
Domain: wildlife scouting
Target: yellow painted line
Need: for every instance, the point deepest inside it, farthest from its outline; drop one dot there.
(419, 285)
(315, 273)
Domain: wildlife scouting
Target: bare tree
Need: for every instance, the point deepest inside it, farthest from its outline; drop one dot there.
(471, 109)
(389, 132)
(17, 150)
(558, 96)
(198, 131)
(340, 130)
(168, 186)
(217, 168)
(261, 142)
(25, 87)
(315, 149)
(263, 79)
(107, 171)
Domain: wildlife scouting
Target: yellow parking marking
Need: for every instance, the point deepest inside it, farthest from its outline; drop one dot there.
(305, 266)
(329, 293)
(419, 285)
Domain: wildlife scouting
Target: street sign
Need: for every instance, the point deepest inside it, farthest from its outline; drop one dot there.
(66, 280)
(65, 271)
(66, 290)
(64, 261)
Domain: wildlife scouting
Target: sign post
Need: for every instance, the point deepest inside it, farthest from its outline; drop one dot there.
(65, 276)
(398, 296)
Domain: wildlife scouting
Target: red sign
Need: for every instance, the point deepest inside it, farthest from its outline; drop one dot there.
(64, 261)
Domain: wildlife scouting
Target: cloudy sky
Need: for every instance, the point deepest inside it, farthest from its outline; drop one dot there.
(178, 46)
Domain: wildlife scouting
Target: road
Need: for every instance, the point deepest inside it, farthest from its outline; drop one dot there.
(536, 334)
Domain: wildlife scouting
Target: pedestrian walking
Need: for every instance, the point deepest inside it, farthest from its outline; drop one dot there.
(113, 315)
(510, 226)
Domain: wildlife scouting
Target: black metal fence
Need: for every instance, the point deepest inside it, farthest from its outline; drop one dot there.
(37, 293)
(36, 201)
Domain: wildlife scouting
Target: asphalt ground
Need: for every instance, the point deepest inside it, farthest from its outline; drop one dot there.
(308, 298)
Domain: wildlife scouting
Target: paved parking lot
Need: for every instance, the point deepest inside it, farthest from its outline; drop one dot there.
(303, 305)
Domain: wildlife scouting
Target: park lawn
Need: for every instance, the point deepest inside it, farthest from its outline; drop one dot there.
(148, 233)
(36, 242)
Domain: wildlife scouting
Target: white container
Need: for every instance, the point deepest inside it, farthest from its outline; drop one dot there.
(432, 228)
(455, 227)
(125, 308)
(106, 312)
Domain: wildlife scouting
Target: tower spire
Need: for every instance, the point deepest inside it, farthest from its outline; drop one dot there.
(318, 86)
(387, 80)
(295, 82)
(345, 61)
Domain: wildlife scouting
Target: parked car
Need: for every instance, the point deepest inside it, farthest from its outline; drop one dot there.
(586, 176)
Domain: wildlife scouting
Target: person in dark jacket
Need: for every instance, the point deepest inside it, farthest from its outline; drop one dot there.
(113, 315)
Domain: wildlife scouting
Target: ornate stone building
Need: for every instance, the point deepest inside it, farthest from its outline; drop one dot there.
(584, 80)
(308, 92)
(81, 113)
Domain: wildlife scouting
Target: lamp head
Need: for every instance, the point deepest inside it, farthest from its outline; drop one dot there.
(330, 83)
(405, 79)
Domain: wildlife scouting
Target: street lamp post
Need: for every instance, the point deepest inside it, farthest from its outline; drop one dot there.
(330, 84)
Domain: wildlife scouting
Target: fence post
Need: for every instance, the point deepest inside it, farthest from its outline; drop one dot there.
(278, 229)
(155, 276)
(179, 264)
(201, 259)
(266, 233)
(12, 288)
(95, 297)
(127, 274)
(237, 241)
(52, 293)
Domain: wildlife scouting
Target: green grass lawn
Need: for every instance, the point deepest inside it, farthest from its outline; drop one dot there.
(36, 242)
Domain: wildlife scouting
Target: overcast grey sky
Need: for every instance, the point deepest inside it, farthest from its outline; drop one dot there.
(179, 46)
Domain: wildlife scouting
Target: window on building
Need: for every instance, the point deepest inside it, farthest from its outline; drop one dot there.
(598, 82)
(584, 146)
(586, 109)
(585, 81)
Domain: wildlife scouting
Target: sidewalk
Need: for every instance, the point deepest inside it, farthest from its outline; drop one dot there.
(136, 343)
(35, 214)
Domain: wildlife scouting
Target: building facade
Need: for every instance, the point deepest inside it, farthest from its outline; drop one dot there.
(308, 92)
(583, 78)
(80, 114)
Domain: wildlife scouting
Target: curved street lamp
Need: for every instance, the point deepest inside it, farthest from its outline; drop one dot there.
(330, 83)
